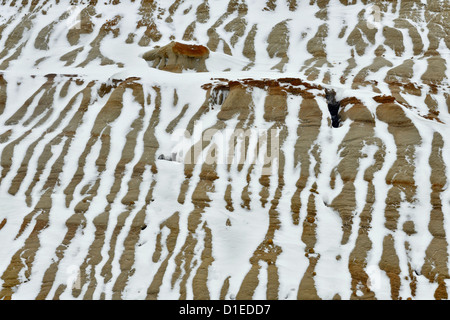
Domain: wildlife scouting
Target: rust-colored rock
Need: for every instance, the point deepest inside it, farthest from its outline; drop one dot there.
(176, 57)
(192, 51)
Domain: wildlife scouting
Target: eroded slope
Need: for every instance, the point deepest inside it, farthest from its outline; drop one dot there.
(261, 197)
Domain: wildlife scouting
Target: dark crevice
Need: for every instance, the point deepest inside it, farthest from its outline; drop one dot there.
(165, 157)
(218, 95)
(333, 107)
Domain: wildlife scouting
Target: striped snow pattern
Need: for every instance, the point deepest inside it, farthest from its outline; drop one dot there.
(88, 211)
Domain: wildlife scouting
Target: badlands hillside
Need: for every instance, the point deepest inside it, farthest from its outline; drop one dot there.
(185, 149)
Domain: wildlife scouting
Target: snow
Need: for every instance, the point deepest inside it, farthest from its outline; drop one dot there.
(232, 246)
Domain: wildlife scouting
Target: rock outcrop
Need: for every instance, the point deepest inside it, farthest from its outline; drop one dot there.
(176, 57)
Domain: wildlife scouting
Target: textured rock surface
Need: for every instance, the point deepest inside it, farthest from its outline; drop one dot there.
(176, 57)
(87, 107)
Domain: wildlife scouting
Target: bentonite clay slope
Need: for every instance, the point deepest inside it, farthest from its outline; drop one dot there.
(224, 179)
